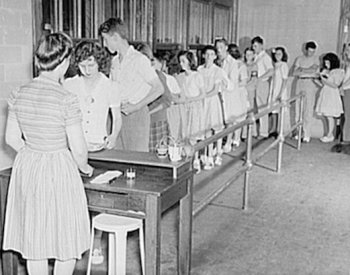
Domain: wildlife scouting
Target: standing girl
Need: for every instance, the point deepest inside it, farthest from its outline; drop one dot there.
(279, 83)
(97, 95)
(242, 93)
(329, 102)
(46, 212)
(173, 93)
(252, 70)
(214, 80)
(192, 85)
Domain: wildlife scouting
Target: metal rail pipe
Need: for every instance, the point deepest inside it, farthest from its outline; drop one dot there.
(250, 161)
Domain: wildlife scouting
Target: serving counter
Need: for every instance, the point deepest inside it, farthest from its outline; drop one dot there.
(159, 184)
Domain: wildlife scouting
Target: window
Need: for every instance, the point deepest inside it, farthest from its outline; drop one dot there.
(170, 21)
(200, 23)
(222, 26)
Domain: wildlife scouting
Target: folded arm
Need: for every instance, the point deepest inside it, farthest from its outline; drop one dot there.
(156, 90)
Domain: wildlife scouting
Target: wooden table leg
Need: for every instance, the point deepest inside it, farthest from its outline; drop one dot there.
(8, 259)
(152, 235)
(185, 231)
(9, 263)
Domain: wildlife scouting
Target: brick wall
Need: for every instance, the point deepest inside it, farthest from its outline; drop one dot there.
(16, 47)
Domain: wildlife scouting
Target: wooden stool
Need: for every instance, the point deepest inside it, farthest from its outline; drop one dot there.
(117, 227)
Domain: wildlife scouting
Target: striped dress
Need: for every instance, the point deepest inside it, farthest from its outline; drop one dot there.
(46, 212)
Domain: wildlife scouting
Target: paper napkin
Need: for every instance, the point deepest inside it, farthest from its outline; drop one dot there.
(106, 177)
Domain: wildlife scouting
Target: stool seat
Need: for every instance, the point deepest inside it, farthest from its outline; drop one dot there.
(113, 223)
(117, 228)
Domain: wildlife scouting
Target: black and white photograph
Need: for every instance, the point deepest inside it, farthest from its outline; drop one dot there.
(174, 137)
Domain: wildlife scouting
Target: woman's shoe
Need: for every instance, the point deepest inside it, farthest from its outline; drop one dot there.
(227, 148)
(209, 164)
(236, 143)
(197, 166)
(97, 257)
(327, 139)
(218, 160)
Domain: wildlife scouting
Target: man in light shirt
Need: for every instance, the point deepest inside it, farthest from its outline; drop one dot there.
(138, 83)
(305, 70)
(265, 72)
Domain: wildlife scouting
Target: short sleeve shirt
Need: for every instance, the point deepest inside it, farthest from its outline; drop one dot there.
(191, 84)
(264, 63)
(231, 67)
(212, 76)
(172, 84)
(134, 75)
(94, 106)
(43, 110)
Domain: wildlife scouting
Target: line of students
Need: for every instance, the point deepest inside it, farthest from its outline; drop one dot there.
(49, 125)
(325, 84)
(221, 91)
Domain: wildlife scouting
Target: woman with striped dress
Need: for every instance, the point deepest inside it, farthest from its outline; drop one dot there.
(46, 212)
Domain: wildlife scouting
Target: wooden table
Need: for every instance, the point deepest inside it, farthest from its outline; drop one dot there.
(159, 184)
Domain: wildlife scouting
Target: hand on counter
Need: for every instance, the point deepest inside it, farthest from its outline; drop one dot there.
(87, 171)
(110, 141)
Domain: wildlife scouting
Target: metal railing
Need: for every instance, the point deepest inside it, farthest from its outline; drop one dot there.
(250, 161)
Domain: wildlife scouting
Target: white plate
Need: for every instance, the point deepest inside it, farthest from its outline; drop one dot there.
(106, 177)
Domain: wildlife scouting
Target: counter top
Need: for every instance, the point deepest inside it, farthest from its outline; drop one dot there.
(138, 158)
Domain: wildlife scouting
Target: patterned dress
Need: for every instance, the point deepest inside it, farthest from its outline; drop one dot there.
(46, 214)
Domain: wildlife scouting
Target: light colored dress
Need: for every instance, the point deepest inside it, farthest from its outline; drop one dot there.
(243, 92)
(329, 102)
(191, 84)
(252, 71)
(280, 74)
(213, 111)
(46, 212)
(174, 117)
(235, 106)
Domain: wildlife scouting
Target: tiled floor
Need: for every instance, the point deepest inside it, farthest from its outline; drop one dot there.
(298, 221)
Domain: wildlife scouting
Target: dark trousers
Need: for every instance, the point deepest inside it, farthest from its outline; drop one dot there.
(346, 125)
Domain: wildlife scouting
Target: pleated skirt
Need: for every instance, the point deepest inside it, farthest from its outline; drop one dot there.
(213, 114)
(46, 211)
(329, 103)
(195, 120)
